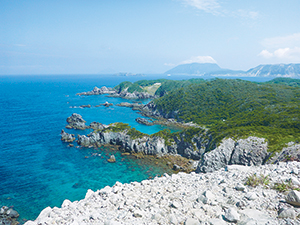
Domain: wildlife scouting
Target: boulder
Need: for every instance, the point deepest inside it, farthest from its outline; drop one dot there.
(143, 121)
(217, 158)
(97, 126)
(77, 122)
(246, 152)
(250, 151)
(67, 137)
(293, 197)
(287, 213)
(98, 91)
(232, 215)
(112, 159)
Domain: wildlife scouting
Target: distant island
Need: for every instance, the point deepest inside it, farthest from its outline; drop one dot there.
(212, 69)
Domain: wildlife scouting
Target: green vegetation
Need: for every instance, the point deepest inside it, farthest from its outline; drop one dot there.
(124, 127)
(255, 180)
(237, 108)
(169, 85)
(285, 186)
(166, 135)
(149, 86)
(226, 108)
(122, 86)
(285, 81)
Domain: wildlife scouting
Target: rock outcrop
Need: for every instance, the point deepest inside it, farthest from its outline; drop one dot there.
(122, 94)
(98, 91)
(289, 153)
(217, 198)
(65, 137)
(8, 216)
(134, 106)
(76, 122)
(143, 121)
(134, 95)
(146, 145)
(247, 152)
(97, 126)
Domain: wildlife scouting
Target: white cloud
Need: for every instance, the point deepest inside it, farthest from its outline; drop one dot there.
(199, 59)
(210, 6)
(289, 41)
(283, 54)
(266, 54)
(214, 7)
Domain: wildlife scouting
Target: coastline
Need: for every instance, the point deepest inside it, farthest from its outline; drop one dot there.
(220, 197)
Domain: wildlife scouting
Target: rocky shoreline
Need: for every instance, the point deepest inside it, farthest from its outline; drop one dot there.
(8, 216)
(226, 196)
(114, 93)
(248, 151)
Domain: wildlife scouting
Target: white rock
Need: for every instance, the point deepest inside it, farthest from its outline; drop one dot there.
(176, 204)
(295, 171)
(295, 181)
(251, 196)
(293, 198)
(232, 215)
(217, 221)
(173, 200)
(191, 221)
(173, 219)
(287, 213)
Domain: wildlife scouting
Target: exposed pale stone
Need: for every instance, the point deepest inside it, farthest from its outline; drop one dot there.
(192, 221)
(293, 198)
(180, 198)
(287, 213)
(232, 215)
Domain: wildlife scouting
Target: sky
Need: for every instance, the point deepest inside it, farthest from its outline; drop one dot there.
(145, 36)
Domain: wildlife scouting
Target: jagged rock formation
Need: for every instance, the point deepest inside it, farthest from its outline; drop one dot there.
(199, 146)
(290, 153)
(134, 106)
(8, 216)
(65, 137)
(143, 121)
(217, 198)
(75, 121)
(121, 94)
(247, 152)
(134, 95)
(98, 91)
(97, 126)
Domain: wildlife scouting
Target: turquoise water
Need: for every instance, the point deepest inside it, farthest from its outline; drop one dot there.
(38, 170)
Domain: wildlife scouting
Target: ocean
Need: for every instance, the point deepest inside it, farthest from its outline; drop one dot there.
(36, 168)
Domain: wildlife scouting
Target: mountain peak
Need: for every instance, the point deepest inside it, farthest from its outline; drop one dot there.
(194, 68)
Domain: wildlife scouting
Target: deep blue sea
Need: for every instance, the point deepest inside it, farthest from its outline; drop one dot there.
(38, 170)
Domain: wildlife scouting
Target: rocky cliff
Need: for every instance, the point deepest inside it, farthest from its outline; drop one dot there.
(120, 94)
(249, 151)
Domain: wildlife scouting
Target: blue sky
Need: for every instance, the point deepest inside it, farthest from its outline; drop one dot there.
(145, 36)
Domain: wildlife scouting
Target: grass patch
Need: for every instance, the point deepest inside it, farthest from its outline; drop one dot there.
(255, 180)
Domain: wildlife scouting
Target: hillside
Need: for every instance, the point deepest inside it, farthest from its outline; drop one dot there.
(237, 108)
(194, 68)
(275, 70)
(212, 69)
(157, 87)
